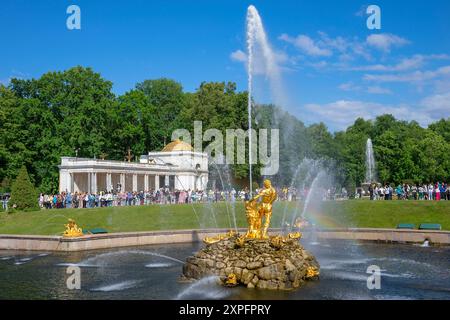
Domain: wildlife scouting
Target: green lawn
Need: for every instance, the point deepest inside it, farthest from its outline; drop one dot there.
(354, 213)
(387, 214)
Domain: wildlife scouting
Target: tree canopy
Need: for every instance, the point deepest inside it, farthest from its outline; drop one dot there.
(75, 112)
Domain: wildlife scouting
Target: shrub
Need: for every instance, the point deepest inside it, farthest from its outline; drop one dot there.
(24, 196)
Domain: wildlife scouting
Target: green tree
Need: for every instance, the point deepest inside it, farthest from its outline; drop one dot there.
(54, 116)
(168, 99)
(24, 196)
(15, 150)
(132, 125)
(433, 157)
(442, 128)
(321, 141)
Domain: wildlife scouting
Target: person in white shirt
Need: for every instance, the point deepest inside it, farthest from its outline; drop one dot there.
(430, 191)
(386, 193)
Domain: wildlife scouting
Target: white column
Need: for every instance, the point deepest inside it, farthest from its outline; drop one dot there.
(156, 182)
(145, 182)
(109, 186)
(198, 183)
(122, 182)
(94, 182)
(74, 183)
(166, 181)
(64, 181)
(135, 182)
(204, 181)
(178, 183)
(89, 181)
(183, 182)
(61, 181)
(71, 187)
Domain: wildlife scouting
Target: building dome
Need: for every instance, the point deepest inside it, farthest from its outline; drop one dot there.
(177, 145)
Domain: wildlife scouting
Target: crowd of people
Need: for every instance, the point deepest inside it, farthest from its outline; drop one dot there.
(160, 196)
(296, 194)
(431, 191)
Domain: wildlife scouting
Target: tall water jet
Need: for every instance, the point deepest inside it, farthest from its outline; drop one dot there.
(257, 35)
(250, 40)
(300, 179)
(313, 192)
(370, 163)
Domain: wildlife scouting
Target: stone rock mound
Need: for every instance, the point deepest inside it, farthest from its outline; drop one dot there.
(256, 263)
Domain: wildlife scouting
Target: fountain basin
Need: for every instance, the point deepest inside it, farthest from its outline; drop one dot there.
(128, 239)
(255, 264)
(408, 272)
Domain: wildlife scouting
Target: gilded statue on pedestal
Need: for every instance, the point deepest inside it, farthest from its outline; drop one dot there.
(257, 211)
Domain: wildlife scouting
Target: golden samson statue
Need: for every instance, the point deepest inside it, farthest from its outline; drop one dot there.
(255, 212)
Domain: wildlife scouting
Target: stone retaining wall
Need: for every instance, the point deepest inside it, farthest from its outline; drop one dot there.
(128, 239)
(387, 235)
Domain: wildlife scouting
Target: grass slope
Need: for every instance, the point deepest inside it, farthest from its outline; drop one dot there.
(355, 213)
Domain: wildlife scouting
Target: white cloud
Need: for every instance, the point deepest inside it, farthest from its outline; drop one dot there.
(339, 43)
(306, 45)
(340, 114)
(238, 55)
(438, 56)
(349, 86)
(442, 86)
(318, 65)
(282, 61)
(378, 90)
(415, 62)
(348, 49)
(385, 41)
(417, 76)
(360, 49)
(438, 104)
(325, 46)
(361, 11)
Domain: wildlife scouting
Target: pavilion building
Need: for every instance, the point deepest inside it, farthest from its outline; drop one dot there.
(176, 166)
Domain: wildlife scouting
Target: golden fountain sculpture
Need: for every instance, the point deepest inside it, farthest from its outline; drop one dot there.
(231, 280)
(72, 230)
(256, 212)
(236, 251)
(312, 272)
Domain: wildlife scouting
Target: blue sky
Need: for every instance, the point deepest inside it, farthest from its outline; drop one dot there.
(333, 67)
